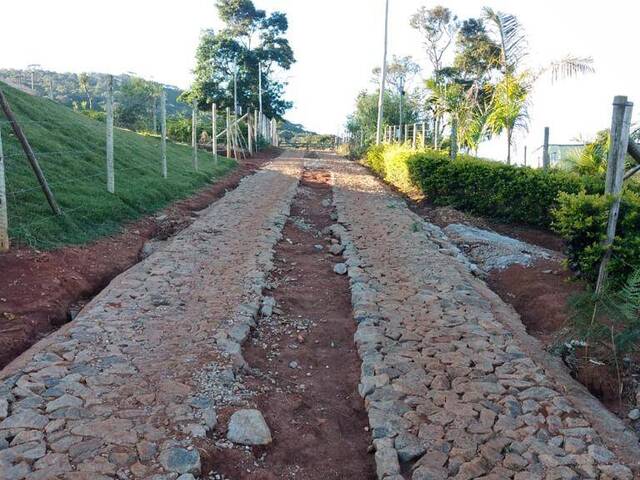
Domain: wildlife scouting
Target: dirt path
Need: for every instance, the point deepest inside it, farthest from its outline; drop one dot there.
(306, 347)
(151, 380)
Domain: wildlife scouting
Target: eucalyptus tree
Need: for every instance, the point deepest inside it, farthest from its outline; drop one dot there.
(250, 38)
(400, 72)
(438, 27)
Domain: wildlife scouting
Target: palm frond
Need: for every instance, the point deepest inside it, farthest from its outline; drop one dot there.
(512, 37)
(570, 66)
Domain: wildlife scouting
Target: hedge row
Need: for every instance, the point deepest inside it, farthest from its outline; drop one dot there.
(492, 189)
(573, 205)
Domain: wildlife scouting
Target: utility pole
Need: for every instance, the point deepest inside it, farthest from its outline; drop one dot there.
(401, 100)
(260, 87)
(235, 90)
(163, 131)
(383, 74)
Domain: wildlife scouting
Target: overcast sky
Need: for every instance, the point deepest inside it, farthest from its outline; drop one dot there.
(336, 43)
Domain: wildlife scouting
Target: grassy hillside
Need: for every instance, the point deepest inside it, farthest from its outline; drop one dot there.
(71, 151)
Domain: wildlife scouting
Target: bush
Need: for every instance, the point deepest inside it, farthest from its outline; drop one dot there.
(505, 192)
(581, 219)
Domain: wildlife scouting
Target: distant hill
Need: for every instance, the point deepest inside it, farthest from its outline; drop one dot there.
(65, 87)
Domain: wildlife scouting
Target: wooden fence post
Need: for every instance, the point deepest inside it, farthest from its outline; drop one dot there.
(33, 161)
(111, 178)
(620, 130)
(546, 159)
(214, 133)
(194, 133)
(228, 132)
(163, 131)
(4, 221)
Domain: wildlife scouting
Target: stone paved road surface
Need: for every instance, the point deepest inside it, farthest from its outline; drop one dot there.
(112, 393)
(449, 391)
(125, 390)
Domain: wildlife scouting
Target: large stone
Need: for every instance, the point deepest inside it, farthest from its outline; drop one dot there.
(4, 408)
(248, 427)
(600, 454)
(180, 460)
(25, 419)
(64, 401)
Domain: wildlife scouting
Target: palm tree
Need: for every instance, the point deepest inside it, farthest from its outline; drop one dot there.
(509, 106)
(515, 86)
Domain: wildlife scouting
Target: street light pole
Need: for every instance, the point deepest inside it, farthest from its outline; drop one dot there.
(383, 75)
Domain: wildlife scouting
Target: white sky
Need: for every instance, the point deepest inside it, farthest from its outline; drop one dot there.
(336, 43)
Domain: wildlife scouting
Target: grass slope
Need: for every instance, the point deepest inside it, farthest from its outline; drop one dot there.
(71, 150)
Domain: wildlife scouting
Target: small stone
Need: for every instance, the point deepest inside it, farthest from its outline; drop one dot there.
(293, 364)
(615, 472)
(4, 408)
(600, 454)
(633, 414)
(336, 249)
(340, 268)
(210, 418)
(64, 401)
(248, 427)
(186, 476)
(318, 248)
(146, 450)
(574, 445)
(181, 460)
(513, 461)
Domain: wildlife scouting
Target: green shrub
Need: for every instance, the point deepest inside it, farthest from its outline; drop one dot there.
(581, 219)
(483, 187)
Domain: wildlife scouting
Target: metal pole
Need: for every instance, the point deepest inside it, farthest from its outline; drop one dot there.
(383, 75)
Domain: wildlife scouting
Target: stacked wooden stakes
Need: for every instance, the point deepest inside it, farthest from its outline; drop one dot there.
(237, 146)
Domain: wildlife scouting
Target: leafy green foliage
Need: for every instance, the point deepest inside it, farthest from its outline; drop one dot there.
(483, 187)
(609, 320)
(71, 151)
(219, 54)
(581, 219)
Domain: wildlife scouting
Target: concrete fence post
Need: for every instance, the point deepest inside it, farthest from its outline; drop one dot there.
(546, 159)
(4, 219)
(619, 143)
(214, 133)
(194, 133)
(228, 132)
(111, 179)
(163, 131)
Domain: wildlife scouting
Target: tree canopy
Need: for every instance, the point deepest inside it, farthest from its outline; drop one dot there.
(250, 38)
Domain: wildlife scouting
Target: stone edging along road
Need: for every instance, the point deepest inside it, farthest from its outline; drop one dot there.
(115, 393)
(453, 386)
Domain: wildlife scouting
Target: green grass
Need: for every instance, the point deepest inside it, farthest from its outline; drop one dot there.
(71, 150)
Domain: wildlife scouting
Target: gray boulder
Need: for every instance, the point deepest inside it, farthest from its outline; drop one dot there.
(248, 427)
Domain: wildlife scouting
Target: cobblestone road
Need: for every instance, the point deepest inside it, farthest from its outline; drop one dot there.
(112, 394)
(450, 390)
(453, 386)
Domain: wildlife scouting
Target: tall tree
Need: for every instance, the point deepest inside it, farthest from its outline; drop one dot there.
(400, 72)
(438, 27)
(250, 38)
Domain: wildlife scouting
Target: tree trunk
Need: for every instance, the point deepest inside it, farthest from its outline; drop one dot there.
(508, 146)
(435, 131)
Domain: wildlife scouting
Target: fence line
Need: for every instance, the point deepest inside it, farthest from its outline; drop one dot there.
(243, 138)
